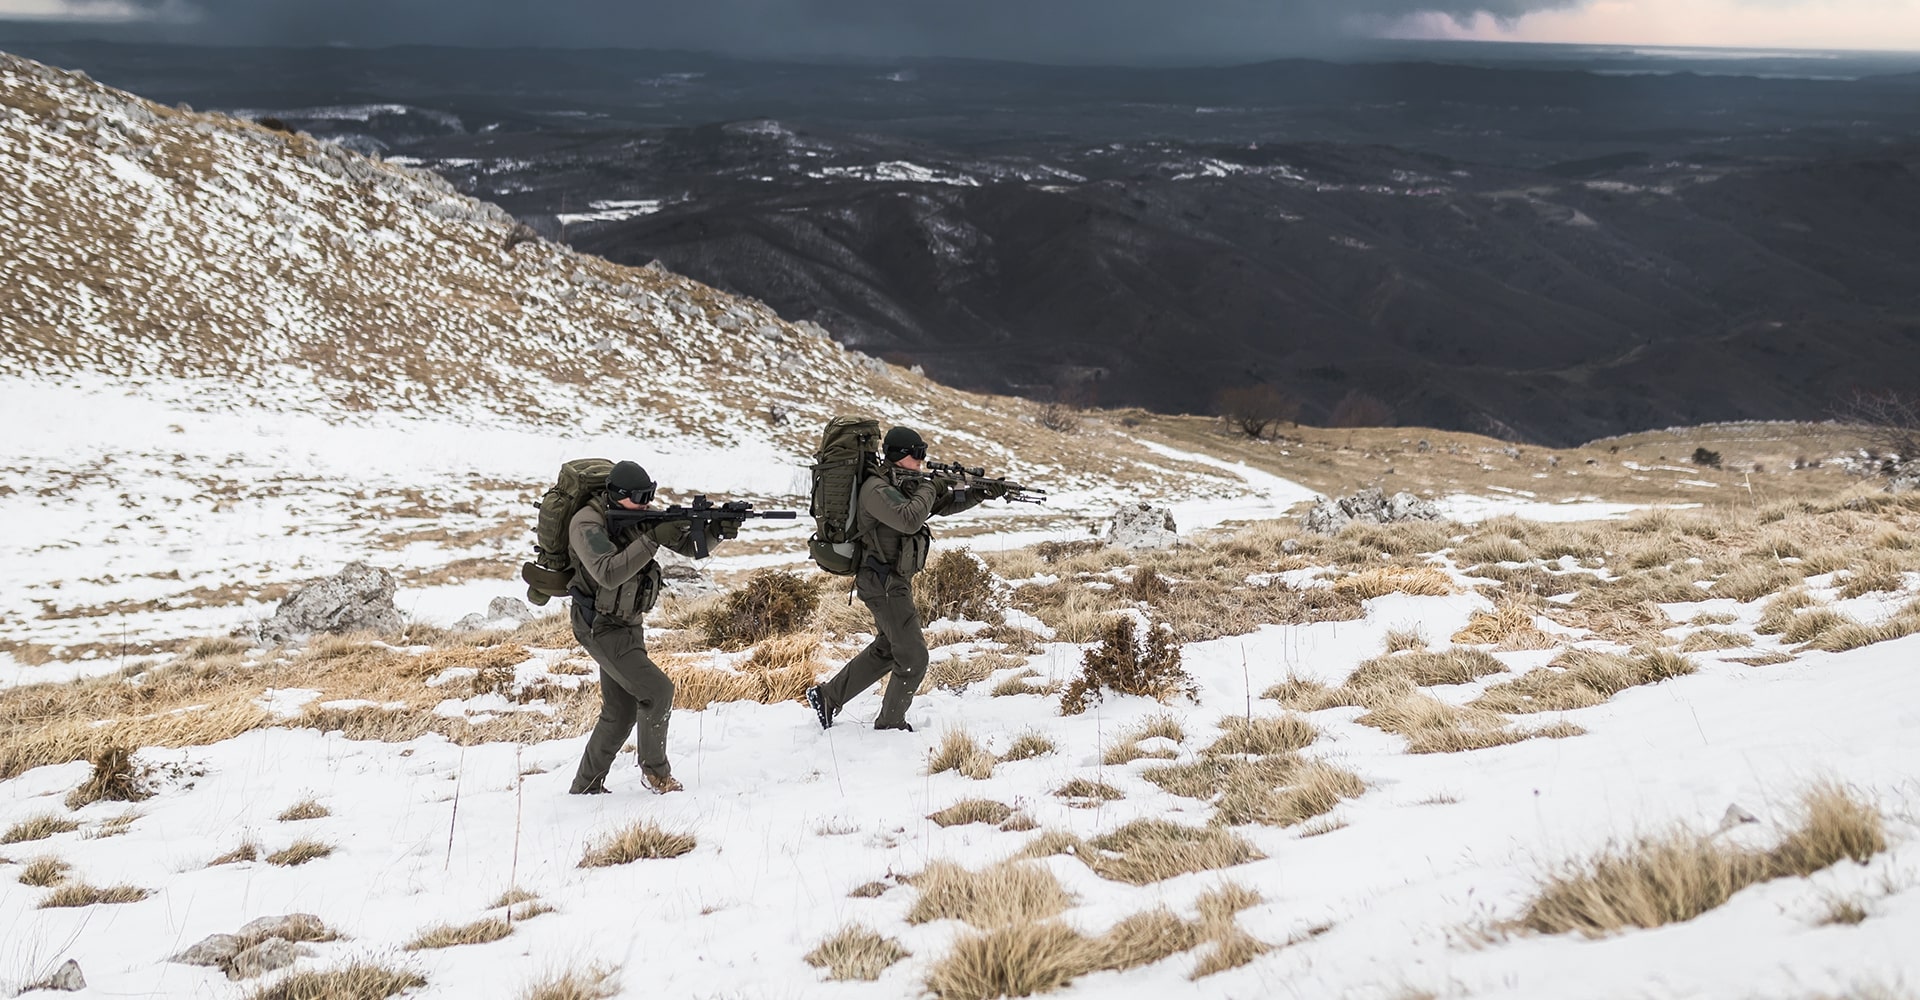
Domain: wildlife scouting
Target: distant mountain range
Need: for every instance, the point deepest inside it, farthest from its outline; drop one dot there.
(1537, 252)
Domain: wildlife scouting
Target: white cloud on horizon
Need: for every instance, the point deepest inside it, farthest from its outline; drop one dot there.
(99, 11)
(1886, 25)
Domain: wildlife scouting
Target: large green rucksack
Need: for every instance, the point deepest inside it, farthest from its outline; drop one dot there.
(551, 571)
(846, 456)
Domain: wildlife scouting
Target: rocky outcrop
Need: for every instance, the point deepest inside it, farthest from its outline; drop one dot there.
(1369, 506)
(1139, 526)
(357, 599)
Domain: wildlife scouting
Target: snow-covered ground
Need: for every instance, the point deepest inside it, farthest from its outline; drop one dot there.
(789, 819)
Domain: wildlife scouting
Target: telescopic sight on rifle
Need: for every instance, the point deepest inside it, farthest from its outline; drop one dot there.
(702, 512)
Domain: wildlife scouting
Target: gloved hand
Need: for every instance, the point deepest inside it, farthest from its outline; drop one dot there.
(670, 533)
(725, 529)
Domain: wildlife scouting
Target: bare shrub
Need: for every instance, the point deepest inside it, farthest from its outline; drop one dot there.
(1015, 961)
(359, 981)
(1679, 875)
(1127, 663)
(1008, 893)
(641, 841)
(38, 828)
(973, 811)
(771, 603)
(44, 871)
(855, 952)
(1262, 736)
(575, 984)
(1150, 850)
(115, 778)
(1254, 408)
(482, 931)
(304, 809)
(958, 751)
(1358, 409)
(68, 894)
(1460, 665)
(957, 585)
(1027, 746)
(299, 853)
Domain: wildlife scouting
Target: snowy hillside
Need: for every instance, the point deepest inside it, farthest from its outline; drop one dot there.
(1510, 754)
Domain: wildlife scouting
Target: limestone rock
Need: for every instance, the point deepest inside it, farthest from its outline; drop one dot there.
(1736, 816)
(358, 599)
(290, 927)
(502, 613)
(214, 949)
(1905, 480)
(66, 978)
(267, 956)
(1371, 506)
(1139, 526)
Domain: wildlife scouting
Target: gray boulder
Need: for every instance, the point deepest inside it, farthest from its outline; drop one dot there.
(66, 978)
(214, 949)
(267, 956)
(1905, 480)
(291, 927)
(1138, 526)
(502, 612)
(1369, 506)
(358, 599)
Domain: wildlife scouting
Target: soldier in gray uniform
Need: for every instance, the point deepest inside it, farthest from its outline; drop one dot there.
(891, 523)
(615, 584)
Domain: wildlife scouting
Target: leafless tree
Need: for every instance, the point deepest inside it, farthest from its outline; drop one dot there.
(1357, 409)
(1892, 422)
(1254, 408)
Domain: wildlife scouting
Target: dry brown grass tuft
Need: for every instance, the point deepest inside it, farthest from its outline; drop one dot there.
(1582, 678)
(1379, 581)
(770, 603)
(1264, 736)
(1853, 635)
(956, 673)
(1752, 581)
(1022, 683)
(208, 648)
(1145, 938)
(299, 853)
(956, 585)
(1230, 952)
(854, 952)
(1404, 640)
(973, 811)
(575, 984)
(641, 841)
(869, 890)
(1433, 726)
(1492, 549)
(1086, 790)
(482, 931)
(1876, 575)
(44, 871)
(115, 778)
(1510, 625)
(38, 828)
(960, 752)
(1209, 776)
(514, 897)
(1028, 746)
(359, 981)
(248, 851)
(1635, 619)
(1678, 876)
(306, 808)
(1843, 912)
(68, 894)
(1309, 791)
(1709, 639)
(1460, 665)
(1016, 961)
(1009, 893)
(1150, 850)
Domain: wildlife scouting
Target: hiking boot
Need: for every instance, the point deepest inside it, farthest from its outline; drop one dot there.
(820, 709)
(894, 725)
(661, 784)
(596, 787)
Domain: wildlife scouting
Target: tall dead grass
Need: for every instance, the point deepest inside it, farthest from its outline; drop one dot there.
(358, 981)
(641, 841)
(960, 752)
(1582, 678)
(1005, 894)
(855, 952)
(1676, 876)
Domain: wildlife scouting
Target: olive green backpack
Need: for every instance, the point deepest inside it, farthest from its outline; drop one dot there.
(551, 571)
(847, 455)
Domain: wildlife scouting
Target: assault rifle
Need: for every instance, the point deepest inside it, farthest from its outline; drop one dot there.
(701, 512)
(961, 477)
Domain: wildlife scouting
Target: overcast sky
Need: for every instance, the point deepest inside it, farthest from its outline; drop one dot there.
(1050, 30)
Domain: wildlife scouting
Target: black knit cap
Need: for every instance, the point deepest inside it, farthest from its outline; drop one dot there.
(903, 441)
(629, 480)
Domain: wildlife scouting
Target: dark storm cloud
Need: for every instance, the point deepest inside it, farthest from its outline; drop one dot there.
(1067, 30)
